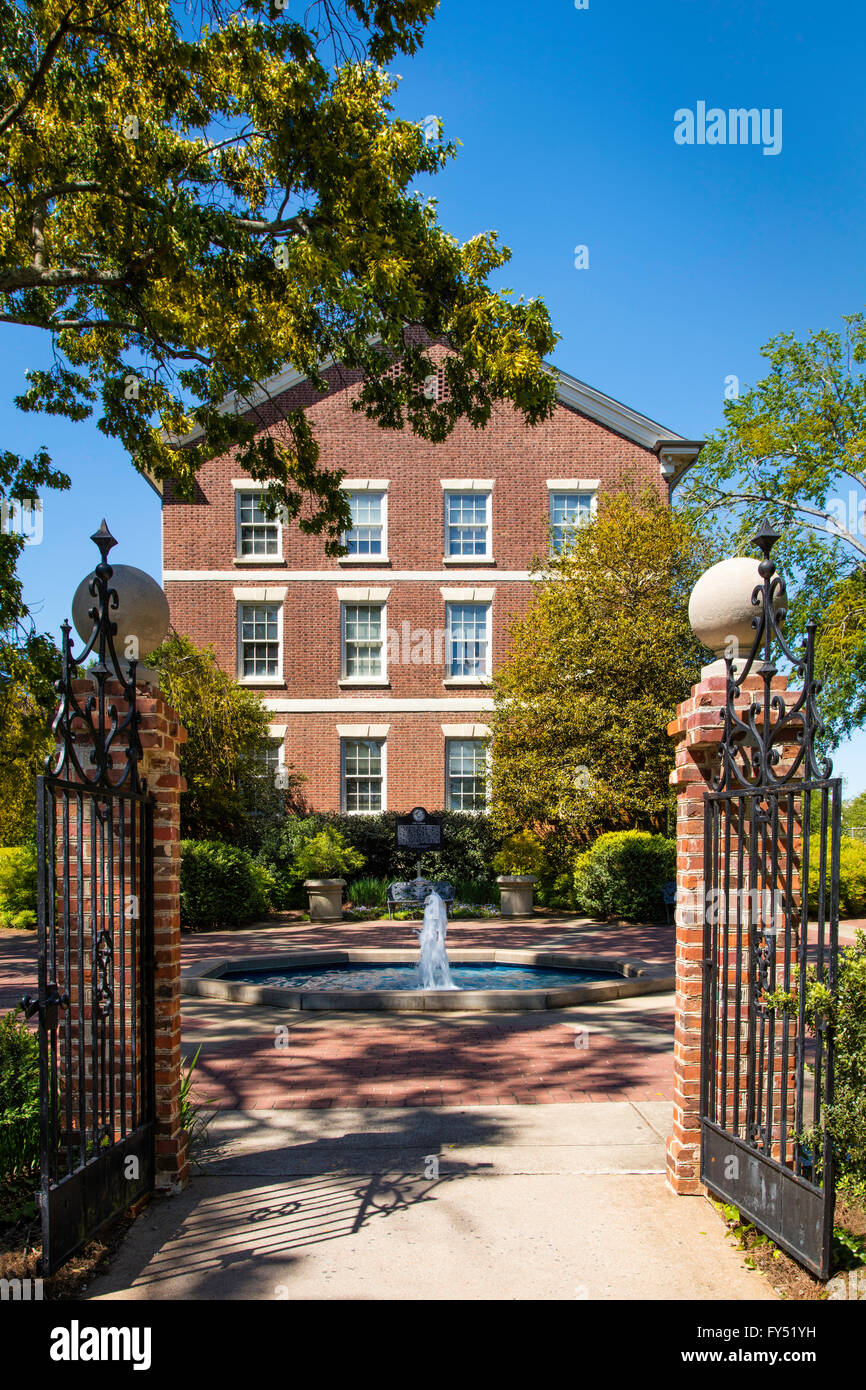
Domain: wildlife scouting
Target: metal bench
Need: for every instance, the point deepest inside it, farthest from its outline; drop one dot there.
(415, 892)
(669, 896)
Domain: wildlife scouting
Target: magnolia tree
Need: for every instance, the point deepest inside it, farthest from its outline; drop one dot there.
(191, 199)
(596, 669)
(794, 449)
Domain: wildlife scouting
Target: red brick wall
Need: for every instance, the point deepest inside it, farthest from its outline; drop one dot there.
(201, 536)
(415, 754)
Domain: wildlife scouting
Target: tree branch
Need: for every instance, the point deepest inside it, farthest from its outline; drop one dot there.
(32, 277)
(840, 531)
(12, 114)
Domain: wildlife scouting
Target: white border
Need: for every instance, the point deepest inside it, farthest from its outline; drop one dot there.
(255, 559)
(486, 679)
(449, 738)
(450, 487)
(346, 597)
(369, 485)
(381, 704)
(384, 802)
(279, 679)
(337, 577)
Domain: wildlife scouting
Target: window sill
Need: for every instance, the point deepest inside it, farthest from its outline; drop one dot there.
(467, 680)
(381, 681)
(262, 680)
(468, 560)
(365, 560)
(273, 560)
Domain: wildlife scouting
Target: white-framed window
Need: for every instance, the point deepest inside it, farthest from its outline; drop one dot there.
(467, 640)
(467, 525)
(258, 536)
(367, 536)
(466, 774)
(568, 510)
(259, 641)
(363, 641)
(363, 774)
(267, 759)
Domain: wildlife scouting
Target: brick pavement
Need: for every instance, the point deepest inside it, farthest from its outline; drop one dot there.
(468, 1059)
(399, 1059)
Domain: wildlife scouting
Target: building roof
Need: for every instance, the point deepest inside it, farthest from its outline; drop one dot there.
(675, 453)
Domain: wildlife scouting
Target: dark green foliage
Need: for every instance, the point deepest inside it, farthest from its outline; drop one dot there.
(469, 844)
(623, 873)
(19, 1097)
(475, 891)
(220, 885)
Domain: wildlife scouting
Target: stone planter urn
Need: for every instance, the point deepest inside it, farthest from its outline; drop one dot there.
(326, 898)
(516, 894)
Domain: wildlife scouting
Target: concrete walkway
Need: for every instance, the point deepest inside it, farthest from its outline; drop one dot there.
(471, 1202)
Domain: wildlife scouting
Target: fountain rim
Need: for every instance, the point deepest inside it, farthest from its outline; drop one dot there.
(203, 980)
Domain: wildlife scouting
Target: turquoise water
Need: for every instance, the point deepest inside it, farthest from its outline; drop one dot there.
(481, 976)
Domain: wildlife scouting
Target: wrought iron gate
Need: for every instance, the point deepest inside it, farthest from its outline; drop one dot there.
(766, 1077)
(95, 971)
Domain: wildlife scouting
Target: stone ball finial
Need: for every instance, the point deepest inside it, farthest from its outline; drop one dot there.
(721, 608)
(142, 614)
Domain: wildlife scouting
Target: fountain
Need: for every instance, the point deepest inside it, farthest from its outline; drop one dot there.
(434, 971)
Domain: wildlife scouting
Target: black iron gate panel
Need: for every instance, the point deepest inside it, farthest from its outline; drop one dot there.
(95, 971)
(766, 1078)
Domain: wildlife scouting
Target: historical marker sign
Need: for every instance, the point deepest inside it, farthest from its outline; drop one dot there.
(419, 831)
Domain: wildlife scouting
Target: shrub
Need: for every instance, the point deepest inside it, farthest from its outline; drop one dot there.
(622, 875)
(469, 844)
(18, 878)
(278, 852)
(221, 885)
(845, 1017)
(327, 855)
(19, 1097)
(852, 875)
(522, 853)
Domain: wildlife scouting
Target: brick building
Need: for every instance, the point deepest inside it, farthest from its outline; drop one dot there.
(375, 667)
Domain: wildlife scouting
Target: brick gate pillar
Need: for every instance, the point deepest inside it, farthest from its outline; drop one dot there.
(161, 736)
(697, 732)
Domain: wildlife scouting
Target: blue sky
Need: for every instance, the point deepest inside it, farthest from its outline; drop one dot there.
(697, 254)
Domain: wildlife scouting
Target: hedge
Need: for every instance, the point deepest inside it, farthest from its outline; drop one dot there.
(221, 885)
(852, 875)
(19, 1097)
(18, 879)
(469, 845)
(622, 875)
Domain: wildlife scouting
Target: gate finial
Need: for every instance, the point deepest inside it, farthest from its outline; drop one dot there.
(104, 540)
(765, 537)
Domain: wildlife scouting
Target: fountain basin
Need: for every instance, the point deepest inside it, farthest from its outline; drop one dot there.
(610, 978)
